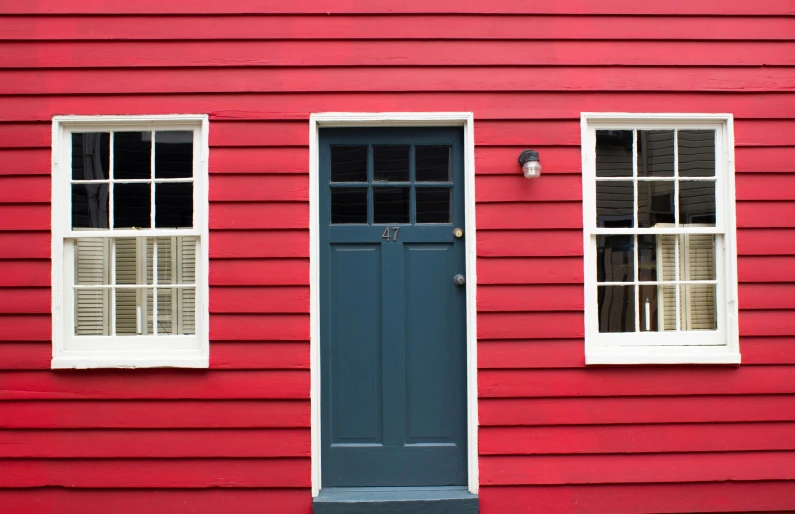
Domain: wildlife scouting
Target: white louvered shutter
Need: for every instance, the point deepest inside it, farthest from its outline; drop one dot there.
(92, 307)
(126, 274)
(187, 275)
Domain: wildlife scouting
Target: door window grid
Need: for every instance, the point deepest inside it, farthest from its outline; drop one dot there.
(385, 187)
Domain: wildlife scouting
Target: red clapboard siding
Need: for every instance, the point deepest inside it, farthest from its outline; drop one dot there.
(25, 327)
(642, 409)
(259, 272)
(26, 355)
(241, 216)
(703, 437)
(24, 217)
(766, 242)
(764, 160)
(766, 214)
(521, 298)
(606, 469)
(516, 188)
(523, 243)
(153, 473)
(506, 105)
(204, 413)
(258, 355)
(767, 323)
(267, 300)
(25, 135)
(502, 160)
(259, 160)
(674, 7)
(245, 501)
(530, 325)
(24, 245)
(25, 273)
(108, 444)
(766, 269)
(259, 188)
(258, 244)
(25, 189)
(764, 132)
(768, 187)
(530, 270)
(634, 498)
(25, 301)
(259, 327)
(24, 161)
(138, 28)
(767, 296)
(530, 215)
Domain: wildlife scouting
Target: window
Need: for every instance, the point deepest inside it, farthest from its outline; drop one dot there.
(129, 241)
(659, 231)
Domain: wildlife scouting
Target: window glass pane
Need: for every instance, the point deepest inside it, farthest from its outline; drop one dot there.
(647, 308)
(433, 163)
(699, 306)
(647, 258)
(615, 259)
(657, 308)
(91, 261)
(696, 153)
(655, 203)
(90, 206)
(90, 155)
(132, 157)
(127, 261)
(131, 205)
(348, 163)
(174, 205)
(174, 154)
(126, 303)
(391, 204)
(655, 153)
(613, 153)
(390, 163)
(165, 310)
(91, 312)
(697, 202)
(666, 257)
(433, 204)
(697, 257)
(186, 309)
(616, 308)
(348, 205)
(615, 204)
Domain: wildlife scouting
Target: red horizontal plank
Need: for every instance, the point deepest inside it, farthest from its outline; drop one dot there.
(767, 296)
(657, 381)
(184, 501)
(766, 269)
(250, 215)
(530, 270)
(24, 217)
(25, 161)
(765, 132)
(531, 354)
(259, 188)
(527, 243)
(506, 105)
(25, 327)
(25, 301)
(162, 384)
(259, 160)
(156, 473)
(259, 327)
(768, 350)
(259, 272)
(259, 243)
(469, 76)
(503, 160)
(268, 300)
(673, 7)
(25, 273)
(32, 189)
(771, 187)
(155, 414)
(259, 133)
(622, 410)
(256, 355)
(767, 323)
(25, 355)
(547, 215)
(109, 444)
(766, 241)
(701, 437)
(534, 325)
(516, 188)
(41, 28)
(25, 245)
(766, 214)
(633, 498)
(24, 135)
(528, 298)
(607, 469)
(763, 160)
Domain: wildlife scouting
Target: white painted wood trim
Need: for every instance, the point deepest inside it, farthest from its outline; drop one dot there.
(87, 353)
(393, 119)
(711, 347)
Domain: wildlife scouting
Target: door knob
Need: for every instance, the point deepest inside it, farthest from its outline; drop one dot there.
(459, 280)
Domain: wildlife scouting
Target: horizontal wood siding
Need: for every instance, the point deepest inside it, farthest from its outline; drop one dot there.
(555, 437)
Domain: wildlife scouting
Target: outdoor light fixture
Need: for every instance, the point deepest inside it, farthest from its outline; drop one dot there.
(528, 160)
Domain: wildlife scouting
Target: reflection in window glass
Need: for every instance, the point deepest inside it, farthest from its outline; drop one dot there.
(696, 153)
(655, 153)
(615, 259)
(90, 155)
(616, 308)
(697, 202)
(131, 205)
(132, 155)
(348, 163)
(174, 154)
(613, 153)
(655, 202)
(615, 203)
(174, 205)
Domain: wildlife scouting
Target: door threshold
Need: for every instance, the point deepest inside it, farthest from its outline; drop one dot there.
(395, 500)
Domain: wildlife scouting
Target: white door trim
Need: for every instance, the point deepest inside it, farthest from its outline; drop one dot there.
(393, 119)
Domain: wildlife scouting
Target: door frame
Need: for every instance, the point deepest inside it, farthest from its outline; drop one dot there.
(393, 119)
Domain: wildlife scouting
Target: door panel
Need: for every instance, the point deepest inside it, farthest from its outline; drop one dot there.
(393, 326)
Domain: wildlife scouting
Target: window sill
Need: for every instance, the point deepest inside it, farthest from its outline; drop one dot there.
(130, 360)
(622, 355)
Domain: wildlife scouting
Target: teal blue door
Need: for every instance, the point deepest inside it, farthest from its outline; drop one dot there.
(393, 322)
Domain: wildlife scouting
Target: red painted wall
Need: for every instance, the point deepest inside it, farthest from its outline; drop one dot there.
(555, 437)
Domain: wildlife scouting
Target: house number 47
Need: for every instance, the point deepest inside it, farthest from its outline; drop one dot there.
(393, 236)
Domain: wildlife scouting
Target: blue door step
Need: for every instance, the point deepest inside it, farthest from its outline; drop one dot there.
(395, 500)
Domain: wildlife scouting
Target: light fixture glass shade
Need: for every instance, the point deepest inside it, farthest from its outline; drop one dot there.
(531, 169)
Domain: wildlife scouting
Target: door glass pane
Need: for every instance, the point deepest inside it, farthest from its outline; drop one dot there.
(655, 202)
(391, 204)
(90, 206)
(615, 203)
(433, 163)
(696, 153)
(174, 205)
(174, 154)
(132, 155)
(90, 156)
(615, 259)
(391, 163)
(613, 153)
(697, 202)
(131, 205)
(348, 205)
(616, 308)
(655, 153)
(433, 204)
(348, 163)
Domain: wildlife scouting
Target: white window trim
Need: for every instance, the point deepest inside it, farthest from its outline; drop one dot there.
(186, 351)
(719, 347)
